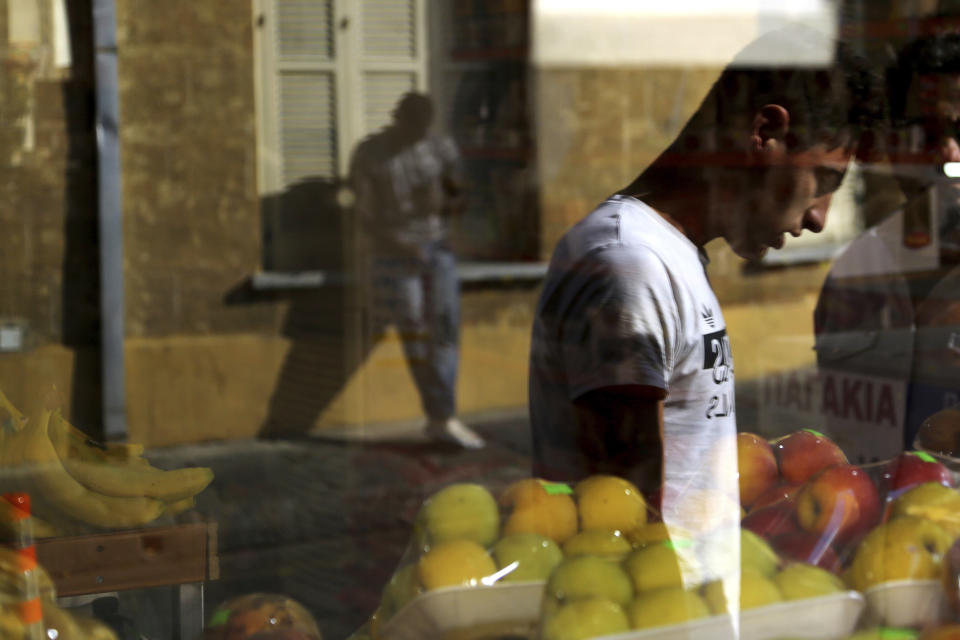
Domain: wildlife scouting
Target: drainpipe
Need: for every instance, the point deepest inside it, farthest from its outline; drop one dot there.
(110, 221)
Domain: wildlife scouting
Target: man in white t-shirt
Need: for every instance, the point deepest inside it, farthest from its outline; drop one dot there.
(631, 372)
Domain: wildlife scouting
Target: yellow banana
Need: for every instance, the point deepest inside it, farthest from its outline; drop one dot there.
(10, 418)
(71, 442)
(46, 473)
(127, 481)
(10, 626)
(55, 618)
(9, 525)
(179, 506)
(13, 581)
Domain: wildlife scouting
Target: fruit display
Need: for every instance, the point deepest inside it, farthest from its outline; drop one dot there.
(659, 586)
(885, 530)
(533, 536)
(819, 506)
(75, 481)
(823, 543)
(566, 563)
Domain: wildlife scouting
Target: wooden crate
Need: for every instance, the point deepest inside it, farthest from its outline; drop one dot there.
(137, 559)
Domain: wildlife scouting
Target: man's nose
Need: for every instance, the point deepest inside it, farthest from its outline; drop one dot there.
(815, 217)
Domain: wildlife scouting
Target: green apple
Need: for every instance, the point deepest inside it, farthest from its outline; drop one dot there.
(590, 577)
(461, 511)
(671, 605)
(801, 580)
(904, 548)
(583, 619)
(756, 554)
(536, 556)
(607, 543)
(658, 566)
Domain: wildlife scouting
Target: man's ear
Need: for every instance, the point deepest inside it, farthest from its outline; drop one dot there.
(770, 124)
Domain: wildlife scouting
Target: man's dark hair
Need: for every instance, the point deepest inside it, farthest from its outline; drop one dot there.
(939, 53)
(413, 107)
(833, 103)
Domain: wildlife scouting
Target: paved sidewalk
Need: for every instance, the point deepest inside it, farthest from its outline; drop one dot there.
(326, 521)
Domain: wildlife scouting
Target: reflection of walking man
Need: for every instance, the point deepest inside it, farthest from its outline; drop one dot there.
(407, 183)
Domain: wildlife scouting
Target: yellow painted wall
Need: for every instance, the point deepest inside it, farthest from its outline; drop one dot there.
(25, 377)
(196, 388)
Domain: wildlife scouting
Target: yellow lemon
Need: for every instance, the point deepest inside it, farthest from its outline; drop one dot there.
(650, 533)
(455, 563)
(590, 577)
(800, 580)
(671, 605)
(904, 548)
(531, 556)
(757, 554)
(584, 619)
(756, 590)
(401, 589)
(610, 502)
(932, 501)
(461, 511)
(659, 566)
(553, 516)
(523, 493)
(606, 543)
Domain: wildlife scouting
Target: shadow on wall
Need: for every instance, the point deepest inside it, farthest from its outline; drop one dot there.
(306, 229)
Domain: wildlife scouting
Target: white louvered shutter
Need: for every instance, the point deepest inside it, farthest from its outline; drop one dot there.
(300, 89)
(392, 57)
(307, 89)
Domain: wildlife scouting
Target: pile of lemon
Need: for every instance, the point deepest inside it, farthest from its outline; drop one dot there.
(603, 565)
(464, 536)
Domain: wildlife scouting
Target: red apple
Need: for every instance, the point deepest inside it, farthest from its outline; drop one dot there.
(770, 522)
(839, 503)
(803, 453)
(912, 468)
(803, 546)
(777, 494)
(757, 466)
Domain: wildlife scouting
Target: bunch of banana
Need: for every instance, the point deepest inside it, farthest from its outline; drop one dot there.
(13, 579)
(57, 623)
(108, 486)
(10, 525)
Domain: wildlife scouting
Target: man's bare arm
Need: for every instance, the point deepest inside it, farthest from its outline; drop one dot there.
(620, 432)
